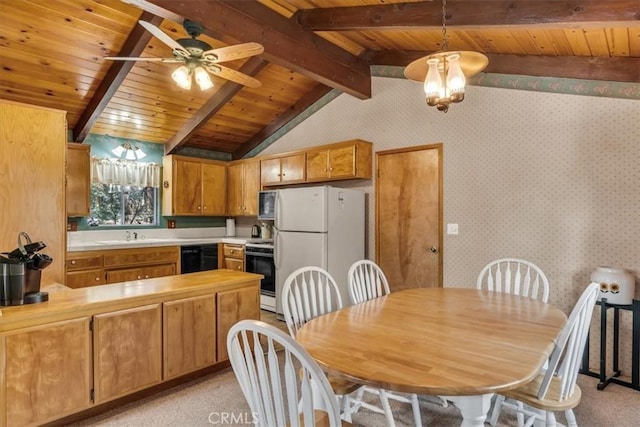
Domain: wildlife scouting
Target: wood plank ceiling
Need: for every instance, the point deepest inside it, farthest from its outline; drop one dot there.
(52, 54)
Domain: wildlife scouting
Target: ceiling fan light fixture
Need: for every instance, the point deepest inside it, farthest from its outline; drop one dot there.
(182, 76)
(203, 79)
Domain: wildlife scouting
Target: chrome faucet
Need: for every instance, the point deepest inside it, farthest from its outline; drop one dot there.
(128, 234)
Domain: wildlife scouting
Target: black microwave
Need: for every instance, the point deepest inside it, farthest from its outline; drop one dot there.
(267, 204)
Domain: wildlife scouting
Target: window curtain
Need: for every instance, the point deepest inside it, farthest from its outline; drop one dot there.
(125, 172)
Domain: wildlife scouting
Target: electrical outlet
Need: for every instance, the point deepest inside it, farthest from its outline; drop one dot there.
(171, 223)
(452, 229)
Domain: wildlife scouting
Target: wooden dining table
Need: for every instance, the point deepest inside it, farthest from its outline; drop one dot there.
(458, 343)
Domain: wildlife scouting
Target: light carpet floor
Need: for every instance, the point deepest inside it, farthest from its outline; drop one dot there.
(217, 400)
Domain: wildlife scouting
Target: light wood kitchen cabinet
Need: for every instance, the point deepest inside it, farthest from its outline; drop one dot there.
(84, 269)
(243, 184)
(345, 160)
(93, 268)
(78, 179)
(233, 306)
(33, 145)
(233, 256)
(284, 169)
(127, 347)
(189, 335)
(47, 372)
(193, 187)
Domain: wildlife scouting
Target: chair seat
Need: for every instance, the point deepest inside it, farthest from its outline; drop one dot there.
(322, 420)
(528, 394)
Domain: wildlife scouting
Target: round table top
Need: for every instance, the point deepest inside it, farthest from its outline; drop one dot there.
(437, 341)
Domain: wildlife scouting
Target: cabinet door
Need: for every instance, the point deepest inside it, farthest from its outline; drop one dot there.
(251, 187)
(77, 178)
(235, 201)
(123, 275)
(234, 306)
(127, 349)
(85, 278)
(187, 191)
(317, 165)
(342, 162)
(270, 171)
(189, 335)
(158, 271)
(47, 370)
(292, 168)
(214, 189)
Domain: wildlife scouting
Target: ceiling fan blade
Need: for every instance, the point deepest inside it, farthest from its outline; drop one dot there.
(164, 38)
(233, 75)
(140, 58)
(238, 51)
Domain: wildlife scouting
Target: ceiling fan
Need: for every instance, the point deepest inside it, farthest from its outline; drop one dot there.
(196, 56)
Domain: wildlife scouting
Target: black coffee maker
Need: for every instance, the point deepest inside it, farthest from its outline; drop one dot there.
(21, 271)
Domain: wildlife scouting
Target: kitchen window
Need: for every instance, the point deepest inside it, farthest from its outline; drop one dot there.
(124, 193)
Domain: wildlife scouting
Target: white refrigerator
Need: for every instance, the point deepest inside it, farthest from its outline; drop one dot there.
(318, 226)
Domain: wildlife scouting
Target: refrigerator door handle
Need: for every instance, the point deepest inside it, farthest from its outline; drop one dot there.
(276, 212)
(276, 237)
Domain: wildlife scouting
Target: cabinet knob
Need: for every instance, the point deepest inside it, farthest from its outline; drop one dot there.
(205, 208)
(97, 278)
(198, 207)
(324, 170)
(330, 169)
(73, 262)
(146, 276)
(139, 277)
(283, 174)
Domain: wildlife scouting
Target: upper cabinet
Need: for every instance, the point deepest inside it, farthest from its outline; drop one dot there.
(344, 160)
(243, 184)
(193, 187)
(283, 169)
(78, 179)
(341, 160)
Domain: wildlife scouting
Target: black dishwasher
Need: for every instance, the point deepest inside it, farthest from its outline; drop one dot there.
(198, 258)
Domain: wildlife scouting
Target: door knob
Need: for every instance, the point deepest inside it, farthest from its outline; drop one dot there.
(433, 249)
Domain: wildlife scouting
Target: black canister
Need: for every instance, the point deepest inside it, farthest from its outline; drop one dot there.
(12, 282)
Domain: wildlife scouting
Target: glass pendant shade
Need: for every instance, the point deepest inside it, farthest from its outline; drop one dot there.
(119, 150)
(182, 77)
(203, 79)
(432, 82)
(130, 152)
(455, 79)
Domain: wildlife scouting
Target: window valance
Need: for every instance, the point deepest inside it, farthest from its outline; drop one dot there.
(125, 172)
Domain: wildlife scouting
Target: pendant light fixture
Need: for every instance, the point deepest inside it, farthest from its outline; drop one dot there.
(128, 151)
(444, 73)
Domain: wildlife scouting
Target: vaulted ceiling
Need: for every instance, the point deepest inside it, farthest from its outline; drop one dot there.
(52, 54)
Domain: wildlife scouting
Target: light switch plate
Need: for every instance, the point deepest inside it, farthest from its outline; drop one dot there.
(452, 229)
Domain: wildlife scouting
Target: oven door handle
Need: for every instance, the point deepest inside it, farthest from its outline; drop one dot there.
(259, 254)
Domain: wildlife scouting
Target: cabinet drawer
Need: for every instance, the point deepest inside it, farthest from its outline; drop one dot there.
(84, 262)
(233, 251)
(135, 257)
(85, 278)
(234, 264)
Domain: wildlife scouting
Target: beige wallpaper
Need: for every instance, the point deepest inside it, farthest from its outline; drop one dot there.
(551, 178)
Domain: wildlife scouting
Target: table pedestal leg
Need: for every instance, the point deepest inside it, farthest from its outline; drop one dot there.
(474, 409)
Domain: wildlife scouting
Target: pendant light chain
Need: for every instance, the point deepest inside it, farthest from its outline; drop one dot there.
(445, 43)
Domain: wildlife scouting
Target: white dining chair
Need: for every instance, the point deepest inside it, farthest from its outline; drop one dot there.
(367, 281)
(307, 293)
(282, 383)
(514, 276)
(555, 388)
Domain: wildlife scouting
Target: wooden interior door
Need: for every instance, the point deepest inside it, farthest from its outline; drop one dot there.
(409, 216)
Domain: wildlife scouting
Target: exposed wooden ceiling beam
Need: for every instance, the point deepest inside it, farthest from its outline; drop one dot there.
(292, 112)
(616, 69)
(284, 41)
(133, 46)
(252, 67)
(470, 14)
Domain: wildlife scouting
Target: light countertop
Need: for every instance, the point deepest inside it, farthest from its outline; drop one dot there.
(80, 246)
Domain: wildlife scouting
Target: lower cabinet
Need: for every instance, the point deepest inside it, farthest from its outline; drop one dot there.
(127, 351)
(189, 328)
(128, 274)
(54, 370)
(233, 306)
(47, 372)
